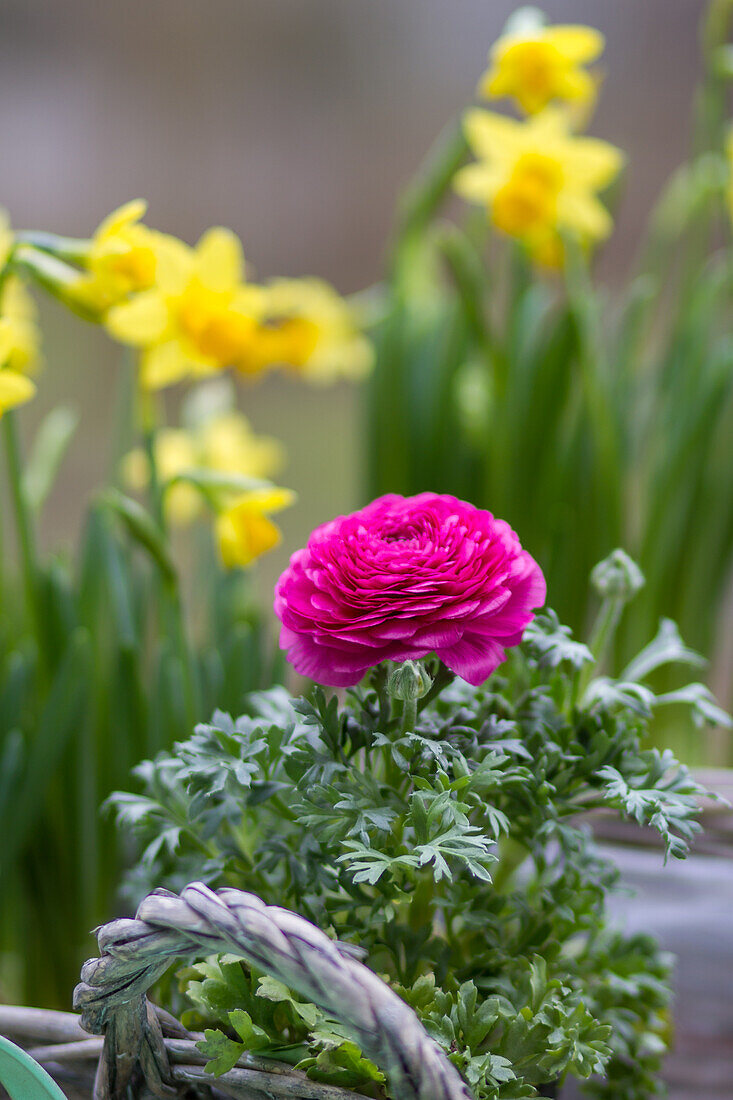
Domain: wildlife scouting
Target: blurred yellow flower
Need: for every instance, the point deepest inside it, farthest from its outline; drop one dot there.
(536, 179)
(175, 451)
(15, 389)
(244, 530)
(198, 318)
(18, 339)
(543, 64)
(19, 334)
(122, 258)
(309, 328)
(225, 444)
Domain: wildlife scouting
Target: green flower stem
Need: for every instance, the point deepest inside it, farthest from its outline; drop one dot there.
(409, 715)
(26, 534)
(600, 641)
(124, 426)
(605, 626)
(170, 590)
(69, 249)
(512, 855)
(54, 275)
(156, 489)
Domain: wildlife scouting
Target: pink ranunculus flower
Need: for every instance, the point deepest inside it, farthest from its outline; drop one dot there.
(403, 578)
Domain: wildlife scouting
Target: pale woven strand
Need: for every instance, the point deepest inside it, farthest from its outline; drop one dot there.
(199, 922)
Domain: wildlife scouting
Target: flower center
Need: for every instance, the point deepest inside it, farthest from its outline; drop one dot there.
(403, 532)
(136, 266)
(535, 67)
(216, 329)
(528, 200)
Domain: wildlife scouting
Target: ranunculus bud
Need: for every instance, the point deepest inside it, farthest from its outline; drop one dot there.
(617, 576)
(410, 681)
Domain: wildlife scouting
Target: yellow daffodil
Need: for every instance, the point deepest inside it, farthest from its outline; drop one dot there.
(543, 64)
(198, 318)
(225, 444)
(18, 344)
(19, 334)
(244, 530)
(122, 259)
(536, 179)
(309, 328)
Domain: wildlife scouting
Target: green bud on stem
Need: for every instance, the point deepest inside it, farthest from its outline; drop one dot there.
(409, 681)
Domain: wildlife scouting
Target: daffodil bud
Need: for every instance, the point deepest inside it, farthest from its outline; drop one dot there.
(410, 681)
(617, 576)
(526, 21)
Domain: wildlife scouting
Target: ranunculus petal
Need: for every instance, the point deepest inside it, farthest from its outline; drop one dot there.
(474, 658)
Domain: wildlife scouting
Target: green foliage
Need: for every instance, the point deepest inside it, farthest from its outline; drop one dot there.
(455, 856)
(94, 661)
(269, 1021)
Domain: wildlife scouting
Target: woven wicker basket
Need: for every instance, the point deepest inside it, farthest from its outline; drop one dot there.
(145, 1053)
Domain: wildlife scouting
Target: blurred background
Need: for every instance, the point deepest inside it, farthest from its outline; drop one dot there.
(295, 122)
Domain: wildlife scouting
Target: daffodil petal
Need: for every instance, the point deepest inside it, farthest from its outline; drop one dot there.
(6, 339)
(15, 389)
(243, 539)
(493, 135)
(577, 86)
(175, 451)
(493, 84)
(584, 214)
(139, 322)
(219, 259)
(576, 43)
(182, 504)
(591, 162)
(127, 214)
(244, 534)
(163, 365)
(477, 182)
(174, 263)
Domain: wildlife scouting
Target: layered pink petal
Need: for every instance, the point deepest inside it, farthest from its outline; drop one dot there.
(406, 577)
